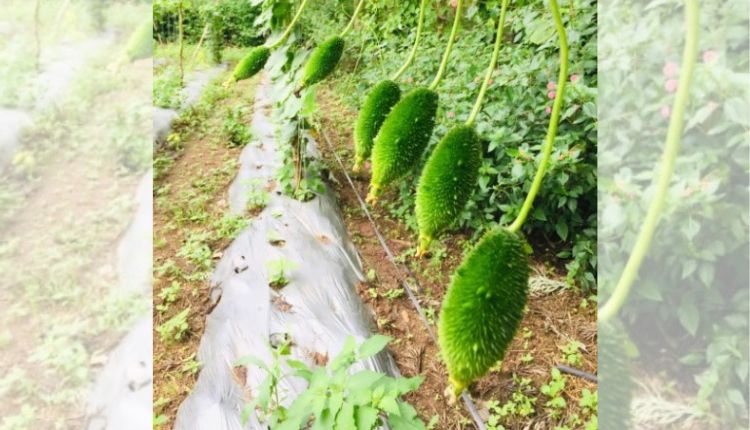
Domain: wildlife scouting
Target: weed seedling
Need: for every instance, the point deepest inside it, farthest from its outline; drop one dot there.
(572, 353)
(175, 328)
(554, 390)
(277, 272)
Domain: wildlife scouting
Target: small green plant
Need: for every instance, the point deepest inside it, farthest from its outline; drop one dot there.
(257, 196)
(393, 293)
(234, 128)
(278, 271)
(175, 328)
(336, 398)
(168, 295)
(191, 365)
(519, 405)
(572, 353)
(554, 390)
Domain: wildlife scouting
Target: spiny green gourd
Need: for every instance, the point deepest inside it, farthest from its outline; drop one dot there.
(403, 138)
(615, 382)
(322, 62)
(376, 107)
(141, 42)
(451, 171)
(253, 62)
(406, 130)
(483, 306)
(447, 180)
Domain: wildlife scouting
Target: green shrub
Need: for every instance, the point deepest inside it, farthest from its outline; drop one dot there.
(447, 181)
(323, 61)
(483, 306)
(403, 138)
(252, 63)
(376, 107)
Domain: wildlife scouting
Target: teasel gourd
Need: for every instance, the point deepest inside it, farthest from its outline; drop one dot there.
(322, 62)
(325, 57)
(252, 63)
(256, 59)
(451, 172)
(483, 307)
(379, 102)
(407, 128)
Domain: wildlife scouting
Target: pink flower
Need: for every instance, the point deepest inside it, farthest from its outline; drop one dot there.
(670, 69)
(670, 85)
(551, 85)
(548, 110)
(454, 4)
(666, 111)
(709, 56)
(451, 114)
(551, 94)
(574, 78)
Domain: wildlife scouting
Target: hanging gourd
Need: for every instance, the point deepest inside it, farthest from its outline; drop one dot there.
(451, 171)
(484, 304)
(256, 59)
(325, 57)
(141, 42)
(379, 103)
(407, 128)
(615, 380)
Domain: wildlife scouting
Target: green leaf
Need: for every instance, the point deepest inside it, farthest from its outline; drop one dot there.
(689, 317)
(562, 229)
(372, 346)
(300, 368)
(366, 417)
(389, 405)
(345, 418)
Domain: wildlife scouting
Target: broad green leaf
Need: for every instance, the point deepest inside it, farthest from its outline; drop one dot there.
(366, 417)
(373, 345)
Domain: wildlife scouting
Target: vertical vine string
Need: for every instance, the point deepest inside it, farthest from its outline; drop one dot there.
(663, 176)
(553, 122)
(490, 68)
(449, 47)
(413, 53)
(290, 27)
(353, 18)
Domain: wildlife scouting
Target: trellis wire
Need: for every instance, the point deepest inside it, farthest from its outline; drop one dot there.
(468, 402)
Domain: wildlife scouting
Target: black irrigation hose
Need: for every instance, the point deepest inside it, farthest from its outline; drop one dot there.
(468, 402)
(576, 372)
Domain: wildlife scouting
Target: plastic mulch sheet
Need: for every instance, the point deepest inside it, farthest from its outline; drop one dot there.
(316, 311)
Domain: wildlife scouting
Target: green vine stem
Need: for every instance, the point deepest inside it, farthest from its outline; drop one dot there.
(354, 17)
(413, 52)
(449, 47)
(562, 77)
(664, 176)
(490, 68)
(288, 30)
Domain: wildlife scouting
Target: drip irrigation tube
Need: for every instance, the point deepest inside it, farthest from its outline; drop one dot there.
(468, 402)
